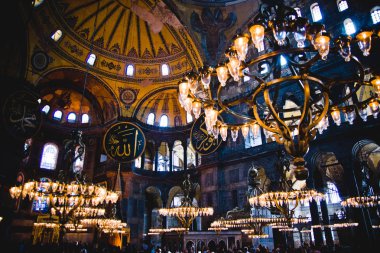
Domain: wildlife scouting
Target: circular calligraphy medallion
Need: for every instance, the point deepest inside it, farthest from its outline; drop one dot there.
(201, 141)
(124, 142)
(22, 114)
(40, 60)
(128, 96)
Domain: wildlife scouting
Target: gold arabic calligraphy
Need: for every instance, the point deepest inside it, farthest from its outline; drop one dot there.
(203, 140)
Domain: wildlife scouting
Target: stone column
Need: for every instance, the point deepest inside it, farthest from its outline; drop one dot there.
(315, 221)
(170, 157)
(326, 221)
(156, 148)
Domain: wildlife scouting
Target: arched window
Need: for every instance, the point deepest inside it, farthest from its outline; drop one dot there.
(85, 118)
(138, 162)
(332, 193)
(177, 121)
(315, 12)
(71, 118)
(178, 154)
(49, 156)
(57, 115)
(150, 120)
(164, 69)
(46, 109)
(375, 14)
(342, 5)
(349, 26)
(189, 118)
(91, 59)
(130, 70)
(57, 35)
(79, 162)
(164, 121)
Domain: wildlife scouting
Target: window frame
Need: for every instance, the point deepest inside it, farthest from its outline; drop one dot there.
(57, 118)
(375, 11)
(313, 8)
(91, 55)
(167, 122)
(168, 69)
(43, 157)
(348, 22)
(133, 70)
(339, 2)
(154, 119)
(71, 120)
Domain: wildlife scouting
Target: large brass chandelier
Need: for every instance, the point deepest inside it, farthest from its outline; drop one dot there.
(279, 35)
(187, 211)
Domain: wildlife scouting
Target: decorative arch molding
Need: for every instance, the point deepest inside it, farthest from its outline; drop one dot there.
(368, 152)
(156, 195)
(74, 79)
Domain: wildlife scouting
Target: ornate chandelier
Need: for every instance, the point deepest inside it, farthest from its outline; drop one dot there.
(363, 201)
(187, 211)
(282, 55)
(218, 226)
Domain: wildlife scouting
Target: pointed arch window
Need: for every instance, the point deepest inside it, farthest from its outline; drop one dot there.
(164, 121)
(91, 59)
(349, 26)
(57, 35)
(165, 69)
(375, 14)
(150, 120)
(46, 109)
(332, 193)
(85, 118)
(342, 5)
(315, 12)
(49, 156)
(130, 70)
(71, 118)
(57, 115)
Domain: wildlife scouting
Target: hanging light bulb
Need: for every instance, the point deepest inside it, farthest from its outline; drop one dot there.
(300, 31)
(234, 133)
(350, 116)
(183, 88)
(197, 107)
(279, 31)
(215, 131)
(257, 34)
(211, 116)
(344, 45)
(241, 46)
(335, 114)
(205, 73)
(376, 84)
(245, 131)
(364, 40)
(188, 103)
(223, 132)
(322, 43)
(363, 113)
(233, 63)
(374, 106)
(255, 128)
(192, 79)
(222, 73)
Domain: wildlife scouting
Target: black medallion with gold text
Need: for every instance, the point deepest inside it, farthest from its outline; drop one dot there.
(22, 114)
(202, 142)
(124, 142)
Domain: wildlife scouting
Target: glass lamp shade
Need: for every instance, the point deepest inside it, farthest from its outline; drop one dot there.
(374, 106)
(279, 31)
(197, 107)
(364, 41)
(255, 128)
(245, 131)
(184, 89)
(300, 31)
(335, 114)
(322, 43)
(222, 73)
(234, 133)
(376, 85)
(344, 45)
(188, 103)
(233, 67)
(241, 46)
(223, 132)
(257, 35)
(205, 76)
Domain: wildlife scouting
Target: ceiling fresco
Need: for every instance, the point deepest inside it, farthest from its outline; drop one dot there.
(143, 33)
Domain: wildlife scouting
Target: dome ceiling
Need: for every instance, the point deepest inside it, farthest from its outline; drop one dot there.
(142, 33)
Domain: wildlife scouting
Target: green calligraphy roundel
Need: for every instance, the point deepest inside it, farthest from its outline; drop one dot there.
(201, 141)
(124, 142)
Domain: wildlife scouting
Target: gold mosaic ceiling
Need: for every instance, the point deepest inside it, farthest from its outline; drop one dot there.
(143, 33)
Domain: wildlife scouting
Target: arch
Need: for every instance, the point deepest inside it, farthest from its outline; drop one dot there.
(342, 5)
(315, 12)
(176, 190)
(200, 246)
(164, 121)
(71, 117)
(222, 245)
(106, 106)
(49, 156)
(165, 69)
(57, 115)
(211, 246)
(190, 246)
(85, 118)
(46, 109)
(349, 26)
(178, 156)
(375, 14)
(153, 202)
(91, 59)
(151, 118)
(130, 70)
(56, 35)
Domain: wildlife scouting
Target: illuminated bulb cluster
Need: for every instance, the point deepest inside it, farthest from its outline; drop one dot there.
(345, 225)
(287, 229)
(186, 211)
(365, 201)
(273, 199)
(46, 224)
